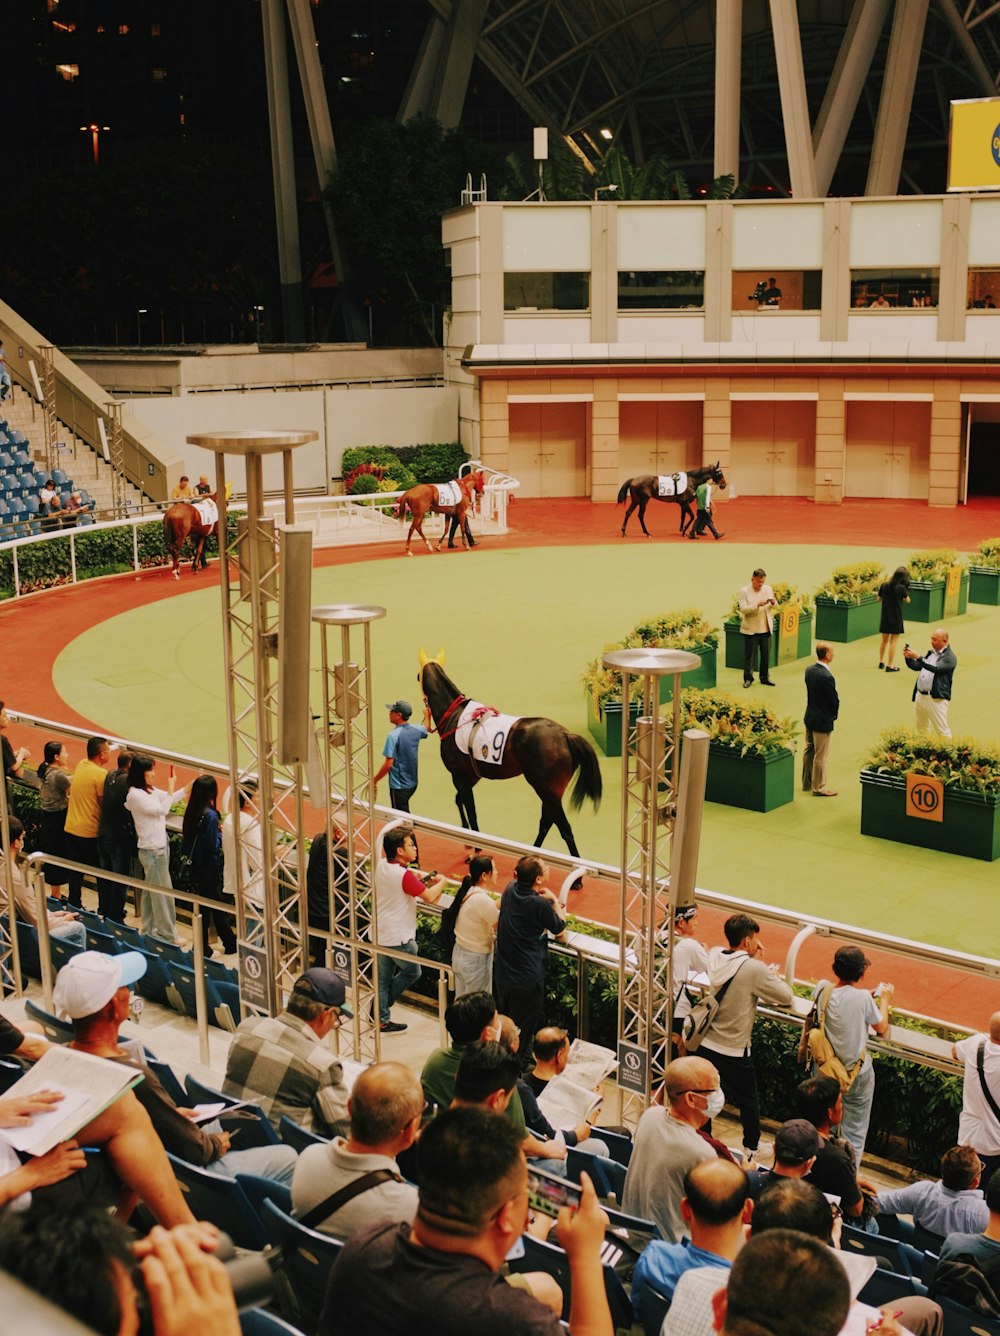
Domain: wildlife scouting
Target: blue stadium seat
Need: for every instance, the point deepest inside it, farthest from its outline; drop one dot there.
(222, 999)
(541, 1256)
(259, 1190)
(59, 1032)
(259, 1322)
(167, 1078)
(155, 982)
(251, 1135)
(902, 1258)
(308, 1259)
(167, 950)
(620, 1146)
(131, 938)
(63, 951)
(22, 459)
(62, 479)
(222, 1201)
(103, 942)
(299, 1138)
(27, 945)
(885, 1287)
(6, 460)
(652, 1310)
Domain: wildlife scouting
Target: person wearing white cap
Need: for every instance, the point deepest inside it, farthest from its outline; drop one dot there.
(92, 990)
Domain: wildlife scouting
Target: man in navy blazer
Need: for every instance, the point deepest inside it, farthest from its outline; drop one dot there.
(822, 708)
(932, 689)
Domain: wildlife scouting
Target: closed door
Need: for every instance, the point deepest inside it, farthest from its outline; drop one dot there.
(548, 448)
(659, 436)
(888, 450)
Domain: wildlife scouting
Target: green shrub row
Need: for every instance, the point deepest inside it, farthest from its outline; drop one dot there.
(408, 465)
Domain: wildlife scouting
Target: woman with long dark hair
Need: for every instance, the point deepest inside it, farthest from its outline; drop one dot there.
(201, 840)
(893, 594)
(472, 916)
(53, 799)
(149, 807)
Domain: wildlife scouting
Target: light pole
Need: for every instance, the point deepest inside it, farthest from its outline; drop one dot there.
(95, 131)
(140, 312)
(258, 320)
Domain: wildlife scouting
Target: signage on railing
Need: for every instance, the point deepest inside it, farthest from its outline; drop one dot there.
(633, 1067)
(253, 976)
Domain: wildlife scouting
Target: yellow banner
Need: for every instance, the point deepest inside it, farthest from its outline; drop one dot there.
(952, 590)
(924, 798)
(974, 145)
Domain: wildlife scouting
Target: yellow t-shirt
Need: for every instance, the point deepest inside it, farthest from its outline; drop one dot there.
(83, 812)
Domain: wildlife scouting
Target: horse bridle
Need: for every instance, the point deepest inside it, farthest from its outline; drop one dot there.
(436, 728)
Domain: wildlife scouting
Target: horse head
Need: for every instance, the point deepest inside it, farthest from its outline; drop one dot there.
(438, 688)
(473, 482)
(718, 477)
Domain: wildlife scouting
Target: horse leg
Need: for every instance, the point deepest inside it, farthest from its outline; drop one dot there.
(418, 524)
(466, 805)
(687, 519)
(642, 515)
(626, 519)
(198, 544)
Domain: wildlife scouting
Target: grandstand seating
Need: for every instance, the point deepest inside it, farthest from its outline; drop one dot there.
(259, 1322)
(299, 1138)
(221, 1201)
(547, 1257)
(259, 1133)
(259, 1190)
(222, 999)
(652, 1310)
(307, 1259)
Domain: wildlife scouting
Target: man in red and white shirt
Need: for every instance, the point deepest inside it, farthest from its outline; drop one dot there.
(397, 890)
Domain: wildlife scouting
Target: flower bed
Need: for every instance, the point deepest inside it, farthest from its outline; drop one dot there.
(984, 573)
(750, 763)
(847, 605)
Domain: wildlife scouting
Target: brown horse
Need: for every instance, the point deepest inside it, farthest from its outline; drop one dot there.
(544, 752)
(646, 489)
(424, 499)
(181, 521)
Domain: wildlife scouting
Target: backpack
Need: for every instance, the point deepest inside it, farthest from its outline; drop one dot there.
(966, 1282)
(701, 1017)
(815, 1046)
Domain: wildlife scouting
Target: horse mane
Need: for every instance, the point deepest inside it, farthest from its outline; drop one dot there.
(443, 679)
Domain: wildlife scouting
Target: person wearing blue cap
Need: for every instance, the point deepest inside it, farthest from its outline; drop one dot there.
(92, 990)
(400, 752)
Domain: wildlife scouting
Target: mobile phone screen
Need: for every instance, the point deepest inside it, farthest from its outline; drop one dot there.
(547, 1192)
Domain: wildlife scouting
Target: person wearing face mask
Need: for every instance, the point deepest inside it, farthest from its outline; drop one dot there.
(667, 1145)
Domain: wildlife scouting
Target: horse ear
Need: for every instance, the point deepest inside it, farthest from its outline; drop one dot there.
(439, 657)
(422, 657)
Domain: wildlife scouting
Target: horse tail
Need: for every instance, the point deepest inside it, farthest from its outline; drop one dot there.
(588, 782)
(623, 490)
(400, 507)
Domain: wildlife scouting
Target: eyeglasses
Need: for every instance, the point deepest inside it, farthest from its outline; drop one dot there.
(697, 1092)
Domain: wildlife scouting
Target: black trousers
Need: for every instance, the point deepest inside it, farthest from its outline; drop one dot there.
(525, 1005)
(739, 1085)
(759, 644)
(81, 850)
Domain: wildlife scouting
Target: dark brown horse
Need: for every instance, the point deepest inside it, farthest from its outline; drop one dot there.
(544, 752)
(646, 489)
(425, 498)
(182, 521)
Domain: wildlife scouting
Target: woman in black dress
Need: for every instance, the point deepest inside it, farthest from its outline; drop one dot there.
(893, 593)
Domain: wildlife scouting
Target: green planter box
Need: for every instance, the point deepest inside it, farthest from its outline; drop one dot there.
(605, 724)
(927, 599)
(756, 782)
(844, 622)
(702, 676)
(971, 825)
(984, 586)
(734, 645)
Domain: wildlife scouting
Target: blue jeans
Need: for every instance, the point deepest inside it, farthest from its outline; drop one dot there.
(74, 933)
(473, 971)
(394, 977)
(158, 915)
(858, 1109)
(274, 1162)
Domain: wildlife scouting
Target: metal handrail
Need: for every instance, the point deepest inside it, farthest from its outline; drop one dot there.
(592, 951)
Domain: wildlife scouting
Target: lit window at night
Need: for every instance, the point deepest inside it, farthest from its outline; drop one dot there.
(159, 75)
(68, 72)
(122, 29)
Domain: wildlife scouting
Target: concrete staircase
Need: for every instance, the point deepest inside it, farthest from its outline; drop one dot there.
(87, 469)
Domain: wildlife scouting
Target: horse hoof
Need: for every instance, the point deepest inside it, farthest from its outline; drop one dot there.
(409, 553)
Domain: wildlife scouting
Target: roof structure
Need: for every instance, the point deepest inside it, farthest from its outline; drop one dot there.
(823, 96)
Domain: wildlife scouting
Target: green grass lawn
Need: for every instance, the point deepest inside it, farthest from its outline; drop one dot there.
(518, 628)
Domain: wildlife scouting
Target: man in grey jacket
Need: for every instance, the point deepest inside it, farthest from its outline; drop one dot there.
(727, 1042)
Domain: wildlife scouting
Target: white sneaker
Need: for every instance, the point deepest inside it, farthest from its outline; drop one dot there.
(759, 1158)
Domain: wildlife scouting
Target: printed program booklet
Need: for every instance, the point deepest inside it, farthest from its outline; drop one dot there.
(88, 1086)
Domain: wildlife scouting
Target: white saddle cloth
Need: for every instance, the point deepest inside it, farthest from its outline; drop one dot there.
(670, 484)
(208, 511)
(449, 494)
(482, 734)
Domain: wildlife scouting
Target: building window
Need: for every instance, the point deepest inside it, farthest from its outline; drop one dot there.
(779, 290)
(899, 288)
(68, 72)
(984, 290)
(661, 290)
(154, 30)
(159, 75)
(123, 30)
(532, 291)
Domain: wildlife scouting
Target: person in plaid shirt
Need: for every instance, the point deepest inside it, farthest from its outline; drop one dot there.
(281, 1063)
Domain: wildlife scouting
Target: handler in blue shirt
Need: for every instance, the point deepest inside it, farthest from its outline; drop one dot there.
(400, 752)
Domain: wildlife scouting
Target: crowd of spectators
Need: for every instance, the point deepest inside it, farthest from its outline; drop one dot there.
(430, 1184)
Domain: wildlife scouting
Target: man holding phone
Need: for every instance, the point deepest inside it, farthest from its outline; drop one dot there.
(443, 1271)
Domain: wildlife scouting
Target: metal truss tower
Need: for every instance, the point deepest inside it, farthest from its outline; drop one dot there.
(250, 575)
(49, 420)
(650, 769)
(347, 751)
(116, 453)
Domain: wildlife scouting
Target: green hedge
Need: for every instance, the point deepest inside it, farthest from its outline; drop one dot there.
(409, 464)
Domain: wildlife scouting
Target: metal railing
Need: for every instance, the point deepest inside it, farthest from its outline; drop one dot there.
(591, 952)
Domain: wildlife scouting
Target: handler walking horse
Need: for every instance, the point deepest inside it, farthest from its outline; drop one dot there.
(647, 488)
(479, 743)
(196, 520)
(452, 498)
